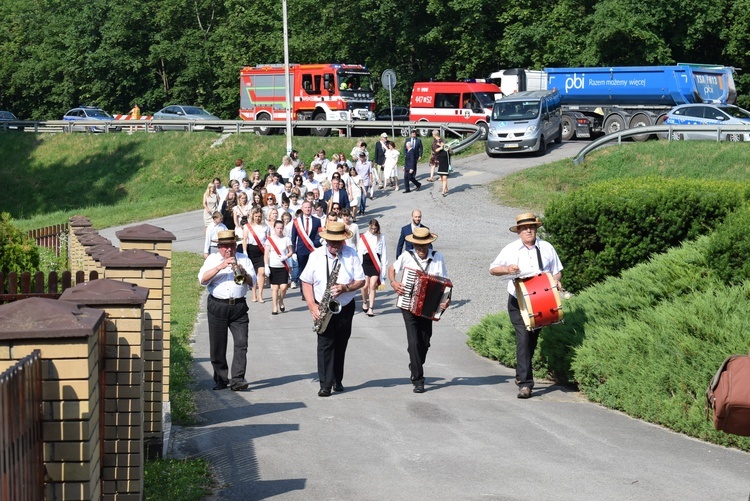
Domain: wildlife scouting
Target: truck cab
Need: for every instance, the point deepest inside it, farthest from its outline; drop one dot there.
(524, 122)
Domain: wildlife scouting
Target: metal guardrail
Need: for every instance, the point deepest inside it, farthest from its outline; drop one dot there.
(665, 132)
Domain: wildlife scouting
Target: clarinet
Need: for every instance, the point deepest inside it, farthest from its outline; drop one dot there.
(328, 306)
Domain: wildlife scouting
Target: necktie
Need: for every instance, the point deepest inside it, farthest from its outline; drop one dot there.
(307, 225)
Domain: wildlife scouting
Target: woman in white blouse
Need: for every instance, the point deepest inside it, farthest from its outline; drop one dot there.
(372, 252)
(278, 251)
(254, 241)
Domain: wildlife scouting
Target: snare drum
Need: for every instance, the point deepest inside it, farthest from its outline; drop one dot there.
(538, 300)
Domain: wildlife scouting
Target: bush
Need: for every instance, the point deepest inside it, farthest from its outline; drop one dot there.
(606, 228)
(729, 248)
(18, 252)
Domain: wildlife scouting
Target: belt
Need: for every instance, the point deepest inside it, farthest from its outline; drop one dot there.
(231, 300)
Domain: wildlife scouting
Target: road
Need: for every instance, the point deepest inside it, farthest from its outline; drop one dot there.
(468, 437)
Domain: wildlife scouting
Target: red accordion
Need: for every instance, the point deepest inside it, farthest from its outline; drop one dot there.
(423, 293)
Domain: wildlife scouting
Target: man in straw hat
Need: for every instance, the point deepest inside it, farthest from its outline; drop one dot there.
(227, 309)
(350, 277)
(418, 329)
(526, 256)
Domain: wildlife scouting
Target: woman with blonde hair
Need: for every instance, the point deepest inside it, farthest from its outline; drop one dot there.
(210, 205)
(254, 241)
(373, 254)
(240, 215)
(433, 157)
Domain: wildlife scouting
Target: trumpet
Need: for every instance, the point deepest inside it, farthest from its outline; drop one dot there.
(240, 275)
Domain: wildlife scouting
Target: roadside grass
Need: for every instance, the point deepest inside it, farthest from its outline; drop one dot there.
(177, 479)
(534, 188)
(117, 179)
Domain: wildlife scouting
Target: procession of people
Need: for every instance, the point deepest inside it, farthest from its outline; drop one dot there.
(297, 230)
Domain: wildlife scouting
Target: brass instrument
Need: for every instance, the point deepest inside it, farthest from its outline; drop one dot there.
(240, 275)
(328, 306)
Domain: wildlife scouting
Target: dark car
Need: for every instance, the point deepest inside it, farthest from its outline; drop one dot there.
(188, 113)
(89, 113)
(399, 113)
(6, 117)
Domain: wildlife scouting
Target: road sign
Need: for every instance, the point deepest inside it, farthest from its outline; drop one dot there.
(389, 79)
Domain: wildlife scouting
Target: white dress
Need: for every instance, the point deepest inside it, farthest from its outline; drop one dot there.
(391, 163)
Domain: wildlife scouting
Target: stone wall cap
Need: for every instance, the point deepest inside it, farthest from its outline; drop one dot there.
(93, 239)
(145, 233)
(85, 231)
(105, 291)
(97, 251)
(79, 221)
(40, 318)
(134, 258)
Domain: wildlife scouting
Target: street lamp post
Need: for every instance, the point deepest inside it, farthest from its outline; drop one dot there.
(286, 84)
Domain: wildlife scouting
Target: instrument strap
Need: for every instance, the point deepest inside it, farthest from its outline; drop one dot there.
(373, 257)
(416, 260)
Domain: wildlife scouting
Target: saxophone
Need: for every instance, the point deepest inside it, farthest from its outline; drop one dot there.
(327, 306)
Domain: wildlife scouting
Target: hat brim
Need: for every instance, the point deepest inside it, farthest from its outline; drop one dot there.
(515, 228)
(421, 241)
(226, 240)
(336, 237)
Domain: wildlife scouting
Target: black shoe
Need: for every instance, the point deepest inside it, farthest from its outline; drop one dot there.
(338, 387)
(406, 191)
(240, 385)
(220, 386)
(324, 392)
(524, 392)
(419, 388)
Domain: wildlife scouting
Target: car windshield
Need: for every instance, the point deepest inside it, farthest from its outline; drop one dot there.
(7, 115)
(734, 111)
(486, 98)
(97, 114)
(515, 110)
(194, 110)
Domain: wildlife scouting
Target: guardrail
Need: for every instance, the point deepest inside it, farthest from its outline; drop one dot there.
(666, 132)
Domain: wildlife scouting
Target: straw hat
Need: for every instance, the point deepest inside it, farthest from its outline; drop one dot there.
(335, 231)
(226, 237)
(421, 236)
(527, 218)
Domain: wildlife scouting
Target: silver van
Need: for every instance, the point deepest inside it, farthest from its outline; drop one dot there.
(524, 121)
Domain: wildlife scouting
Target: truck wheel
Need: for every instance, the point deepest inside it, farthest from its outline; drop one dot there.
(558, 138)
(264, 131)
(484, 130)
(423, 132)
(660, 121)
(320, 131)
(640, 120)
(613, 124)
(568, 128)
(542, 146)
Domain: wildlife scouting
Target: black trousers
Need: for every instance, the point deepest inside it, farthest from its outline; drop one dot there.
(223, 316)
(525, 345)
(418, 334)
(410, 177)
(332, 347)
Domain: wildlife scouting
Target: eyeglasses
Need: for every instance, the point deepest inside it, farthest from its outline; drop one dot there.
(525, 228)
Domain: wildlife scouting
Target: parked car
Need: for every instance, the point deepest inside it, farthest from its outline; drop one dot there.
(7, 116)
(708, 114)
(89, 113)
(399, 113)
(190, 113)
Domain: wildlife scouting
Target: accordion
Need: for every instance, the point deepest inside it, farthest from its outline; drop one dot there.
(423, 293)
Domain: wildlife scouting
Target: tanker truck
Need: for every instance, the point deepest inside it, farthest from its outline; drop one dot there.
(607, 100)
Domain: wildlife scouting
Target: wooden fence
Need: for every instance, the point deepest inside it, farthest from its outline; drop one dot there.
(21, 446)
(52, 237)
(14, 287)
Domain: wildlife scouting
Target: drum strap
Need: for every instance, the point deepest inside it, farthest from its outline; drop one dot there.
(539, 257)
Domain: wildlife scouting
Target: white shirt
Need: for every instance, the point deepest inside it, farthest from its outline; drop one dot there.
(286, 171)
(311, 184)
(316, 272)
(260, 230)
(352, 242)
(433, 264)
(527, 260)
(211, 232)
(283, 244)
(276, 189)
(222, 285)
(238, 173)
(378, 247)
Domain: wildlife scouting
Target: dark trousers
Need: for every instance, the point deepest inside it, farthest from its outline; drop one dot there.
(410, 177)
(525, 345)
(223, 316)
(418, 334)
(332, 347)
(301, 263)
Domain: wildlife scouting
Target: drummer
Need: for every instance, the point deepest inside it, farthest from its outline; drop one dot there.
(526, 256)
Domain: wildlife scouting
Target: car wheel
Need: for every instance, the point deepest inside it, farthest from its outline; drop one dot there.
(677, 136)
(734, 138)
(568, 127)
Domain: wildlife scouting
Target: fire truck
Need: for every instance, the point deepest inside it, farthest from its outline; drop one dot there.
(318, 92)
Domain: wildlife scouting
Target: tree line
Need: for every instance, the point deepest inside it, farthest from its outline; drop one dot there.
(55, 55)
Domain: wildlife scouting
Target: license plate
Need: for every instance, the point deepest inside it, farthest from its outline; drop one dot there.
(510, 146)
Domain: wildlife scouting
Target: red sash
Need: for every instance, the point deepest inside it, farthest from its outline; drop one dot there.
(303, 235)
(373, 256)
(257, 240)
(283, 261)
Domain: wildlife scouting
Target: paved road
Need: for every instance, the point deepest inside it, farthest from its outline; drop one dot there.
(468, 437)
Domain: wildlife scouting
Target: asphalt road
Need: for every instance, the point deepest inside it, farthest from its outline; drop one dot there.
(468, 437)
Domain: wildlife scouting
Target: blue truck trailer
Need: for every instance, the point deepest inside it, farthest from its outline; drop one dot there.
(611, 99)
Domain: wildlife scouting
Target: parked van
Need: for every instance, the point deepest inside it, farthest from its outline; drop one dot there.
(524, 121)
(456, 102)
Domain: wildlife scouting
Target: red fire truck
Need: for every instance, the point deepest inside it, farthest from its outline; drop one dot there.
(467, 102)
(318, 92)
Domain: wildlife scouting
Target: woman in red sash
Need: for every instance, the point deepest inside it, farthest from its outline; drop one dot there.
(372, 253)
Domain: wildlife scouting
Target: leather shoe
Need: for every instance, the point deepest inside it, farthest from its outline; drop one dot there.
(524, 392)
(419, 388)
(240, 385)
(338, 387)
(220, 386)
(324, 392)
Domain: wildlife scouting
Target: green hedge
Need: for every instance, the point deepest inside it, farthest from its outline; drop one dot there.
(605, 228)
(18, 252)
(729, 251)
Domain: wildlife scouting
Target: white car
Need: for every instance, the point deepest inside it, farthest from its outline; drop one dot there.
(707, 114)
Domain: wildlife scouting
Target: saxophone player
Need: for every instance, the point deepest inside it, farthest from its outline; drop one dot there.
(228, 276)
(342, 262)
